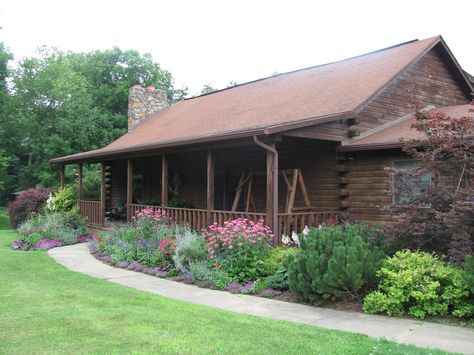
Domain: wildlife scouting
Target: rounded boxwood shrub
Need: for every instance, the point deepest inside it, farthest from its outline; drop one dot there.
(419, 283)
(334, 262)
(28, 202)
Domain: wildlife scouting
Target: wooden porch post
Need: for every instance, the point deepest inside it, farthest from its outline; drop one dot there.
(102, 194)
(129, 188)
(210, 186)
(80, 187)
(62, 176)
(272, 193)
(164, 181)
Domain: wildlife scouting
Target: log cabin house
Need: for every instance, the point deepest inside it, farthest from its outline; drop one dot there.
(293, 149)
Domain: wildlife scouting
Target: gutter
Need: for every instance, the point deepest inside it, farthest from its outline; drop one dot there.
(274, 212)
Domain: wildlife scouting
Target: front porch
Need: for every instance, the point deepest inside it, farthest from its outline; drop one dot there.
(288, 184)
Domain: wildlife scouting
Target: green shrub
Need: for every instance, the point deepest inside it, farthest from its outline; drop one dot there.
(62, 200)
(276, 267)
(126, 243)
(190, 247)
(333, 262)
(200, 271)
(419, 283)
(468, 272)
(276, 257)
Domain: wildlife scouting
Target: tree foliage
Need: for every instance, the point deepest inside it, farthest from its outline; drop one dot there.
(440, 218)
(61, 103)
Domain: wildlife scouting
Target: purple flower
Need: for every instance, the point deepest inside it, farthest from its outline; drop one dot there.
(46, 244)
(18, 245)
(248, 287)
(269, 293)
(87, 238)
(234, 287)
(135, 266)
(106, 259)
(93, 249)
(122, 264)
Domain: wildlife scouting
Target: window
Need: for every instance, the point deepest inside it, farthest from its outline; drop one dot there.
(404, 189)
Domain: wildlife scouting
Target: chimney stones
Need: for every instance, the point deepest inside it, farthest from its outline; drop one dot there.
(143, 102)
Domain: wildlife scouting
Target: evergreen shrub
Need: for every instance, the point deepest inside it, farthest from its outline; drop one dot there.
(333, 263)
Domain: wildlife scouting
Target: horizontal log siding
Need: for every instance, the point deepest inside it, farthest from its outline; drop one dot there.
(428, 81)
(191, 168)
(370, 186)
(317, 162)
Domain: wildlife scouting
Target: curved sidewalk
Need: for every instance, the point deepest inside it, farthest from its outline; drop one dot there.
(424, 334)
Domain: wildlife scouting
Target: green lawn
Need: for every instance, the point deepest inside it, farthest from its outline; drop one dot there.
(45, 308)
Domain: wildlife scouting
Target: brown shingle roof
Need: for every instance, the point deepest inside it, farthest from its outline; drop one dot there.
(391, 134)
(276, 103)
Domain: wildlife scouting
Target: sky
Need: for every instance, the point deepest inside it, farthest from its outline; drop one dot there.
(214, 42)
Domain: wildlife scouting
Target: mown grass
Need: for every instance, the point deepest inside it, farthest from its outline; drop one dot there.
(44, 308)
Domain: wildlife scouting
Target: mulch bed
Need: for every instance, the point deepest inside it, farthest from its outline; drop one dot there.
(284, 296)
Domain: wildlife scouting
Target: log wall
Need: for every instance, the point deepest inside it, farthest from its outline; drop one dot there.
(428, 81)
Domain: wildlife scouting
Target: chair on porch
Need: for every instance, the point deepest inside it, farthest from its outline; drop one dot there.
(119, 211)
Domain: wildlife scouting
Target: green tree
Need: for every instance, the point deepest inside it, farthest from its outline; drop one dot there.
(62, 103)
(8, 131)
(207, 89)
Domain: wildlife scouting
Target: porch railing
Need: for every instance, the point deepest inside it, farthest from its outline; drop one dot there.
(220, 217)
(93, 211)
(195, 218)
(287, 222)
(296, 221)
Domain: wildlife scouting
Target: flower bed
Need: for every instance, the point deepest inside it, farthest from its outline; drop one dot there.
(46, 230)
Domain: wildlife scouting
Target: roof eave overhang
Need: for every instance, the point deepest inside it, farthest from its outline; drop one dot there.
(375, 146)
(101, 155)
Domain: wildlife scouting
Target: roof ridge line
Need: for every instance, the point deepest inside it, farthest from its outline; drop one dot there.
(307, 68)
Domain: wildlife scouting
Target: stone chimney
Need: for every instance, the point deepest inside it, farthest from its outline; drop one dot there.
(143, 102)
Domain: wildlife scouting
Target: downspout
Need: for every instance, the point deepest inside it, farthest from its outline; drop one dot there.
(272, 150)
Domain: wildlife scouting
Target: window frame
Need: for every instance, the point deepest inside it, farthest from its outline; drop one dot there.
(394, 166)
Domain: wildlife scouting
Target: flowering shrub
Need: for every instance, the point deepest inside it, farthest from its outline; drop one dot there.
(167, 246)
(66, 227)
(240, 247)
(27, 203)
(148, 222)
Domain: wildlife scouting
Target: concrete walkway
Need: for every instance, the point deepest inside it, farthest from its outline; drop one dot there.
(424, 334)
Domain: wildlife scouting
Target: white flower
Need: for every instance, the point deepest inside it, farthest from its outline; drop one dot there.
(295, 238)
(305, 230)
(320, 227)
(285, 240)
